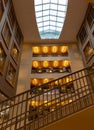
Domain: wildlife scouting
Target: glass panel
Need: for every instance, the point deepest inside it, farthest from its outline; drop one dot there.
(88, 51)
(18, 35)
(40, 29)
(15, 53)
(52, 23)
(59, 29)
(11, 74)
(59, 19)
(59, 24)
(53, 18)
(46, 23)
(39, 14)
(62, 7)
(38, 2)
(63, 2)
(40, 24)
(46, 6)
(6, 33)
(54, 6)
(1, 9)
(39, 8)
(45, 18)
(90, 16)
(45, 12)
(54, 1)
(39, 19)
(46, 28)
(51, 10)
(2, 58)
(45, 1)
(83, 35)
(61, 14)
(52, 28)
(11, 16)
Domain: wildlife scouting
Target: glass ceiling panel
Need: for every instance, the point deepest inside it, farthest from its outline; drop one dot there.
(46, 18)
(50, 16)
(46, 6)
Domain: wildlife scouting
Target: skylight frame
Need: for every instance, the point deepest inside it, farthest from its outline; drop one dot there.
(52, 13)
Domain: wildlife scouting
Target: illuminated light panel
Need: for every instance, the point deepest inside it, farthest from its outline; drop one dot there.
(63, 49)
(35, 64)
(54, 49)
(45, 49)
(45, 64)
(55, 64)
(50, 17)
(36, 50)
(34, 81)
(66, 63)
(46, 80)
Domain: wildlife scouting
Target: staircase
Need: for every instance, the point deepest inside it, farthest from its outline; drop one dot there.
(50, 102)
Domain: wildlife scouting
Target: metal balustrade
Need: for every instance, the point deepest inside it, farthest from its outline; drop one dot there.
(49, 102)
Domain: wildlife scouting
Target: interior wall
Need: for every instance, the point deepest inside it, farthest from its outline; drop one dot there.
(26, 60)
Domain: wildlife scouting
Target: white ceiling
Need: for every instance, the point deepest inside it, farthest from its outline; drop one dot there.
(24, 10)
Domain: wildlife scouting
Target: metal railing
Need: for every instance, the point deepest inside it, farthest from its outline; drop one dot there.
(49, 102)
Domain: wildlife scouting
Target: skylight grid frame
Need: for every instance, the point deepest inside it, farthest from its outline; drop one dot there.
(45, 10)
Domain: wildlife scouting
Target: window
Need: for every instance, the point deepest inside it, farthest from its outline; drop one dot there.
(90, 16)
(11, 74)
(50, 16)
(11, 16)
(6, 33)
(88, 51)
(83, 34)
(2, 58)
(1, 9)
(15, 53)
(18, 35)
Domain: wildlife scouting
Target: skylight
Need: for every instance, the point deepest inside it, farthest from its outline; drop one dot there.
(50, 16)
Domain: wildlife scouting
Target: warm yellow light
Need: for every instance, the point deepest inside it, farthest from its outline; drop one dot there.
(36, 50)
(54, 49)
(34, 81)
(60, 81)
(35, 64)
(14, 51)
(90, 51)
(45, 101)
(66, 63)
(45, 49)
(55, 64)
(68, 79)
(46, 80)
(0, 50)
(45, 64)
(56, 82)
(63, 49)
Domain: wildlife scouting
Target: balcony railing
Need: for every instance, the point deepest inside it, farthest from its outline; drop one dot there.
(31, 111)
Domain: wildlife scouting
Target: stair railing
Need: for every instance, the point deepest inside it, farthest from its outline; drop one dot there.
(49, 102)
